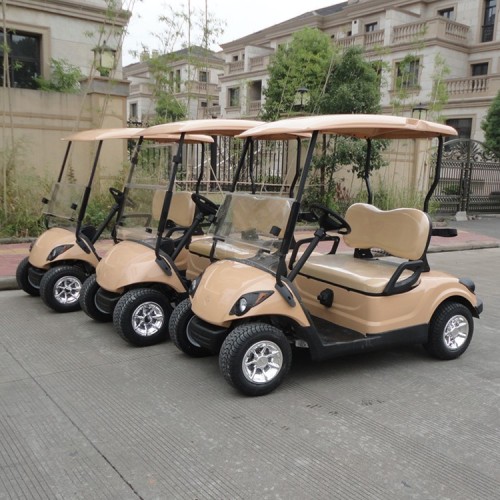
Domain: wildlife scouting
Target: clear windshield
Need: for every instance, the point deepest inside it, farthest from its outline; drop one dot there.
(251, 226)
(64, 203)
(141, 213)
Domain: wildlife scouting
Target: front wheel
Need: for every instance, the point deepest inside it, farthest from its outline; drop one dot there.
(60, 288)
(88, 303)
(178, 327)
(450, 331)
(141, 316)
(255, 358)
(23, 280)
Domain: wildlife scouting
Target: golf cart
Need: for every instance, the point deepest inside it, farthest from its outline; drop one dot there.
(136, 282)
(252, 310)
(64, 255)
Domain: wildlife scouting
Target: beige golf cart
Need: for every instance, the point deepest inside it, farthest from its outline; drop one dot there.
(64, 255)
(138, 280)
(251, 310)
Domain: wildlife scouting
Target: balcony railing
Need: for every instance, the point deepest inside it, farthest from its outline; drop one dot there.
(235, 67)
(472, 86)
(201, 87)
(368, 40)
(258, 62)
(140, 88)
(439, 27)
(253, 107)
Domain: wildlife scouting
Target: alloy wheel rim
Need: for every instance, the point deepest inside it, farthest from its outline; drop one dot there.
(456, 332)
(147, 319)
(67, 290)
(262, 362)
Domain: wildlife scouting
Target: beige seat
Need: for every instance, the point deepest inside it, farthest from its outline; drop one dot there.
(403, 233)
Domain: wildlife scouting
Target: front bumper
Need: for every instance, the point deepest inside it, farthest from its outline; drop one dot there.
(206, 335)
(106, 301)
(479, 307)
(35, 275)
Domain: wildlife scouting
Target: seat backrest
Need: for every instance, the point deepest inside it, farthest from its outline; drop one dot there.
(182, 208)
(402, 232)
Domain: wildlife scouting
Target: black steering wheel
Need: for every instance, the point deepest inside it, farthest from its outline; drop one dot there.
(205, 206)
(330, 220)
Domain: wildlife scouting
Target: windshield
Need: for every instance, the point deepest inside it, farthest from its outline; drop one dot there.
(252, 225)
(64, 203)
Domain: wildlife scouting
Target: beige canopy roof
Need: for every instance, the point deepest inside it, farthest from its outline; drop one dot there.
(98, 134)
(101, 134)
(228, 127)
(355, 125)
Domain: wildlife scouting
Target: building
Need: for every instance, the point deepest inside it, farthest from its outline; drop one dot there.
(191, 78)
(407, 35)
(83, 33)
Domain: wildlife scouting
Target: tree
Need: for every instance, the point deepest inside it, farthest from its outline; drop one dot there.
(353, 85)
(491, 126)
(303, 63)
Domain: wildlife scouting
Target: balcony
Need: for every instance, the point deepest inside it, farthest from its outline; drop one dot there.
(201, 88)
(140, 88)
(235, 67)
(259, 62)
(209, 112)
(472, 87)
(253, 108)
(439, 27)
(368, 40)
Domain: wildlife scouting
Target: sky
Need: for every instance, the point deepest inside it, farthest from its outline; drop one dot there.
(241, 17)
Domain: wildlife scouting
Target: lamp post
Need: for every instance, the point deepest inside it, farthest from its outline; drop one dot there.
(421, 110)
(104, 59)
(301, 97)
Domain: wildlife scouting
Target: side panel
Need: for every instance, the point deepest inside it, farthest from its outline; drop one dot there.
(377, 314)
(130, 263)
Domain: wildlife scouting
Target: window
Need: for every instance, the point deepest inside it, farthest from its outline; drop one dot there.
(235, 58)
(133, 111)
(24, 58)
(463, 126)
(479, 69)
(371, 27)
(449, 13)
(203, 104)
(407, 73)
(203, 76)
(234, 96)
(490, 7)
(177, 80)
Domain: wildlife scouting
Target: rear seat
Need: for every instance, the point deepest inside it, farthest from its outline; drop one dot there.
(403, 233)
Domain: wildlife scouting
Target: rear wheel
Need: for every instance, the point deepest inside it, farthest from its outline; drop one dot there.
(255, 358)
(178, 327)
(450, 331)
(60, 288)
(23, 280)
(88, 300)
(141, 316)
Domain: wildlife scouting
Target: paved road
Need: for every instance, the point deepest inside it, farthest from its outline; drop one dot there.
(85, 416)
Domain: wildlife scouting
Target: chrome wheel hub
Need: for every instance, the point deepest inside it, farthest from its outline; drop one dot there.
(262, 362)
(147, 319)
(67, 290)
(456, 332)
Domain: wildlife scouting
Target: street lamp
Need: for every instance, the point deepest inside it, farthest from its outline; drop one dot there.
(104, 59)
(421, 110)
(301, 97)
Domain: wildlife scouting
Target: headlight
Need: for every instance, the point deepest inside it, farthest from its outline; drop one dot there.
(194, 285)
(55, 252)
(249, 300)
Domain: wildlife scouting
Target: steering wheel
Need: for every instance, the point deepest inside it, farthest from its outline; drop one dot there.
(118, 196)
(205, 206)
(330, 220)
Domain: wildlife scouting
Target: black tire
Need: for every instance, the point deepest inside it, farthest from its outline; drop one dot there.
(22, 278)
(87, 300)
(141, 316)
(450, 331)
(246, 342)
(178, 331)
(60, 288)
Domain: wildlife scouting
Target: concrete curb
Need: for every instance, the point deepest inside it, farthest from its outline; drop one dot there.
(8, 283)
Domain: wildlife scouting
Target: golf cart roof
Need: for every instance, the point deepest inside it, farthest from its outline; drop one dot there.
(173, 138)
(355, 125)
(99, 134)
(227, 127)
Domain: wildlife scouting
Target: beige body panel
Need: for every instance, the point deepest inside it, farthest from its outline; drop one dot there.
(55, 237)
(224, 282)
(372, 315)
(129, 263)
